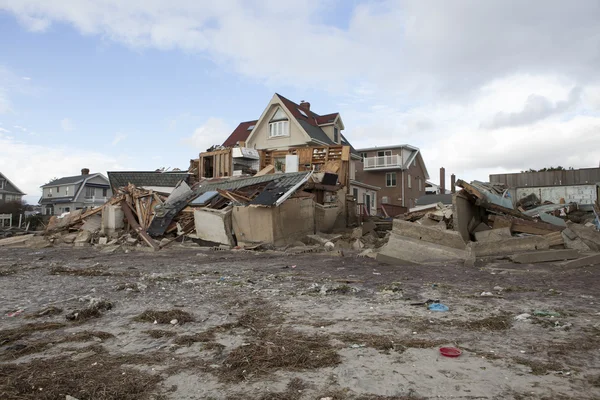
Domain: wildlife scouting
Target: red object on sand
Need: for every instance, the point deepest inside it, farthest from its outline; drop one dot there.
(450, 351)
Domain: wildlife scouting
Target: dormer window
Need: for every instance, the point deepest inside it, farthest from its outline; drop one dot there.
(279, 124)
(336, 134)
(1, 183)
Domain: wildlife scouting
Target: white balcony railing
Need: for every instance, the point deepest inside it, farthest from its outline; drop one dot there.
(95, 199)
(392, 161)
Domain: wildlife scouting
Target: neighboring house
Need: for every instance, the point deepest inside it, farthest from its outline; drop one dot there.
(74, 193)
(9, 192)
(399, 170)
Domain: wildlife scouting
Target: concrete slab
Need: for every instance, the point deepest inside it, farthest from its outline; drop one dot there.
(509, 246)
(573, 242)
(402, 250)
(214, 226)
(15, 240)
(493, 235)
(93, 223)
(584, 262)
(589, 235)
(545, 256)
(429, 234)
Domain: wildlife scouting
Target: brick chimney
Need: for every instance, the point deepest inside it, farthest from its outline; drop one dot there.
(305, 105)
(453, 183)
(85, 171)
(442, 180)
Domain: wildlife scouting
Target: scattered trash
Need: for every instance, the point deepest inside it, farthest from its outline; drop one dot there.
(174, 322)
(356, 346)
(545, 313)
(438, 307)
(486, 294)
(498, 288)
(423, 303)
(450, 351)
(522, 317)
(15, 313)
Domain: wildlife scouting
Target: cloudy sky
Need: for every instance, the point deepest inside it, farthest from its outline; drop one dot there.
(480, 86)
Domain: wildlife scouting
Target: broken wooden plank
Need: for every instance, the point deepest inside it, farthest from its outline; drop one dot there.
(545, 256)
(555, 239)
(128, 211)
(532, 227)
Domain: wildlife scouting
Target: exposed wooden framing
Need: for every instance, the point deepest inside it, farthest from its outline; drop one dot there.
(127, 210)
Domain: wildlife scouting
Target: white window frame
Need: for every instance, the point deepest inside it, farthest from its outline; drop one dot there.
(87, 191)
(409, 180)
(389, 182)
(420, 184)
(2, 183)
(279, 129)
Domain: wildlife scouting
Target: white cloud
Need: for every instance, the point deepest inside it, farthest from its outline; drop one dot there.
(57, 162)
(21, 128)
(118, 138)
(26, 78)
(430, 73)
(4, 130)
(67, 125)
(214, 131)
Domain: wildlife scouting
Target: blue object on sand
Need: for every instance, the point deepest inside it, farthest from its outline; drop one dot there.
(438, 307)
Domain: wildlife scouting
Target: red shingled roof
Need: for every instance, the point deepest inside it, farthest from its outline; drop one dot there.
(313, 118)
(239, 134)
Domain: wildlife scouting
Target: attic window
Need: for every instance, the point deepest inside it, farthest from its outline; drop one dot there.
(302, 112)
(279, 125)
(251, 127)
(1, 183)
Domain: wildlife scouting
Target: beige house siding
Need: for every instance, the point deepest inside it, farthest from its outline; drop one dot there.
(260, 139)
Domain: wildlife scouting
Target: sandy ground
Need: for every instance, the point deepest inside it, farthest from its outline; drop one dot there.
(273, 326)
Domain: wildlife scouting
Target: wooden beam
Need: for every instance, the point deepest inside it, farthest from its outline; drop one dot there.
(127, 210)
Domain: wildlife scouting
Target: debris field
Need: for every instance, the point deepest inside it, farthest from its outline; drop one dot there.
(190, 322)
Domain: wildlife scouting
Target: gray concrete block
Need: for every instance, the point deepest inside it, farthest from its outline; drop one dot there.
(584, 262)
(401, 249)
(509, 246)
(493, 235)
(429, 234)
(571, 241)
(545, 256)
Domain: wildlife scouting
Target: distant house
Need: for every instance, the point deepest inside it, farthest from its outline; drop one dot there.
(398, 170)
(9, 192)
(74, 193)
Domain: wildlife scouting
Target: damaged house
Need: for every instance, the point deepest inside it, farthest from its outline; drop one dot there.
(290, 137)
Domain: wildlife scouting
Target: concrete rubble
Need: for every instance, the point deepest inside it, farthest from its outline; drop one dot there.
(483, 222)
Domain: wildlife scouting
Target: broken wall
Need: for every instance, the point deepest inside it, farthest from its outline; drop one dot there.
(282, 225)
(112, 219)
(580, 194)
(466, 215)
(214, 225)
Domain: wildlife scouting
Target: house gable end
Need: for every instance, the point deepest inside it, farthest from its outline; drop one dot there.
(275, 110)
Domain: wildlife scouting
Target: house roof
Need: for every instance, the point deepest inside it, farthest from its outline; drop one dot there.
(18, 191)
(311, 123)
(239, 134)
(233, 184)
(390, 147)
(119, 179)
(69, 180)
